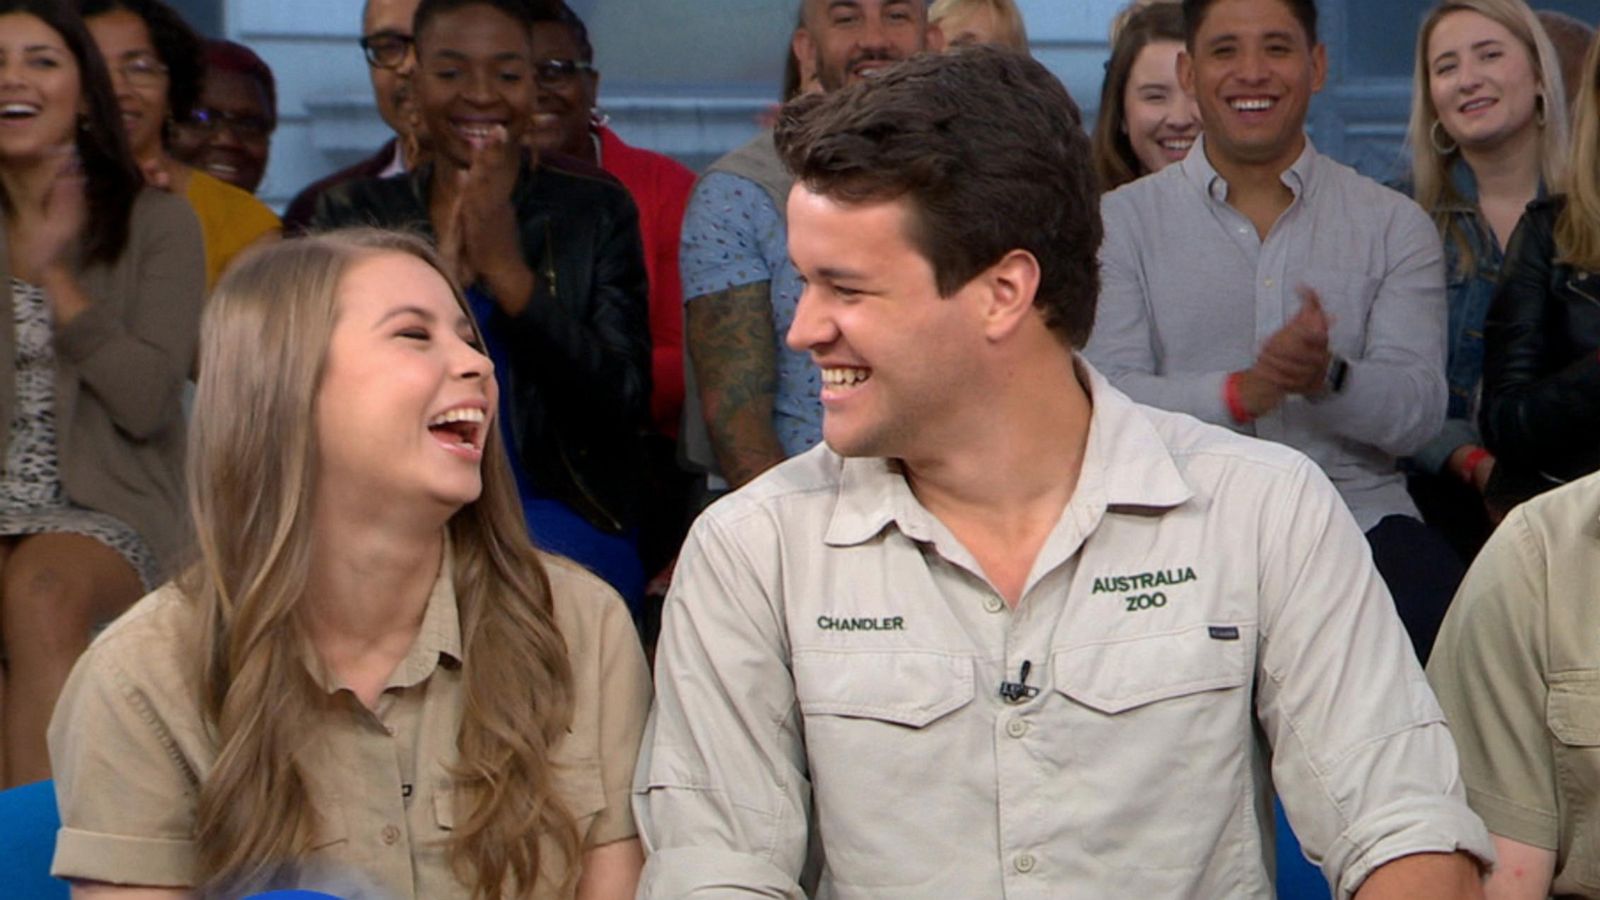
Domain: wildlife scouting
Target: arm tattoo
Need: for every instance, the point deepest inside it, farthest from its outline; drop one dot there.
(733, 348)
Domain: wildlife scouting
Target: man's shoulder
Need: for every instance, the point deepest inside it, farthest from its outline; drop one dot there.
(809, 478)
(379, 202)
(1186, 439)
(1364, 193)
(297, 216)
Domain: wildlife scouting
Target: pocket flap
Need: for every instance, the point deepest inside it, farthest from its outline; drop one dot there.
(582, 790)
(1573, 713)
(1120, 675)
(907, 687)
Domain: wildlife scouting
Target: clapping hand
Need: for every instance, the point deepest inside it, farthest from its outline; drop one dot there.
(1296, 358)
(58, 221)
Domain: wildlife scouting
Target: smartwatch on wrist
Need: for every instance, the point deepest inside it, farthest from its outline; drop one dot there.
(1338, 373)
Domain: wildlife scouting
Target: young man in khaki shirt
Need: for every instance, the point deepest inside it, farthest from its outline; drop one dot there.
(1009, 634)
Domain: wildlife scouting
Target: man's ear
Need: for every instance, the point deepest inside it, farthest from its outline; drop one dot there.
(1011, 285)
(802, 46)
(1186, 71)
(935, 38)
(1319, 67)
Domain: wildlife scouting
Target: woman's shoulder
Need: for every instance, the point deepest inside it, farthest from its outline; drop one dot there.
(160, 626)
(147, 658)
(587, 610)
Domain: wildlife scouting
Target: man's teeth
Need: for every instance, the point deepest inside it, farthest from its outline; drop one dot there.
(479, 131)
(18, 110)
(460, 414)
(845, 376)
(1253, 105)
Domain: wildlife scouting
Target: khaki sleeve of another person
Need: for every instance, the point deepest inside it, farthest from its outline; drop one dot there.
(1488, 670)
(126, 796)
(623, 693)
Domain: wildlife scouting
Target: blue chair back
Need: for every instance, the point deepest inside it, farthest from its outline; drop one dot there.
(28, 824)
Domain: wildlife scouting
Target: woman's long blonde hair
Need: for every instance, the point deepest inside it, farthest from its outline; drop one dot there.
(1578, 227)
(1430, 175)
(252, 479)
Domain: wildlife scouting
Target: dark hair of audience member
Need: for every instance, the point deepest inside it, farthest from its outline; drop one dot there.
(941, 130)
(791, 63)
(228, 56)
(180, 50)
(520, 11)
(1114, 159)
(252, 461)
(1578, 227)
(559, 12)
(111, 176)
(1194, 11)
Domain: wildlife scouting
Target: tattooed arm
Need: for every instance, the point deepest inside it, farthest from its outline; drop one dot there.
(733, 348)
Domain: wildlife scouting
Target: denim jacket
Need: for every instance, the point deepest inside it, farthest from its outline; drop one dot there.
(1468, 293)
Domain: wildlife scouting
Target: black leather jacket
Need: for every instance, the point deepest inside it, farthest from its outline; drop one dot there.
(580, 350)
(1541, 377)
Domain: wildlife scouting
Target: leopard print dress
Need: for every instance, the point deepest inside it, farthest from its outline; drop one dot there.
(32, 500)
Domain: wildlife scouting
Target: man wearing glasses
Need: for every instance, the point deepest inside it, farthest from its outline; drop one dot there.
(386, 41)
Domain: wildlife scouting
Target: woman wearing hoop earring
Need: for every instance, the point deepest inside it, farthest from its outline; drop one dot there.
(1487, 134)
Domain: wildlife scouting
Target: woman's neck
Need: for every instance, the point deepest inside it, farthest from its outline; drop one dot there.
(367, 585)
(26, 185)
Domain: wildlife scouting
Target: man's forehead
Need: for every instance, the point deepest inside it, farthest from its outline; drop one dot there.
(1234, 19)
(816, 8)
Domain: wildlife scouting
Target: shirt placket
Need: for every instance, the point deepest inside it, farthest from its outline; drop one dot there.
(380, 825)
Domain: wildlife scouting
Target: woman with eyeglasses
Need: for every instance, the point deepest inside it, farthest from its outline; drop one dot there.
(228, 135)
(567, 120)
(156, 68)
(105, 281)
(548, 248)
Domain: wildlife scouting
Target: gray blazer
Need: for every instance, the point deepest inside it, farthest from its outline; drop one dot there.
(120, 369)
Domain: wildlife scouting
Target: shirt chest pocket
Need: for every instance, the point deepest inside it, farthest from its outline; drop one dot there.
(1347, 296)
(1157, 730)
(1572, 712)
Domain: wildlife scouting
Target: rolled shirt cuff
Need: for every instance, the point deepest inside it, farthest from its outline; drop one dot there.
(1441, 824)
(116, 859)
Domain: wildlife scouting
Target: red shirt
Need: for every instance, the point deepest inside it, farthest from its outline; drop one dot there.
(660, 187)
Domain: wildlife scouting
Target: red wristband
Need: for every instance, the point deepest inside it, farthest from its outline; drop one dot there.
(1230, 396)
(1470, 464)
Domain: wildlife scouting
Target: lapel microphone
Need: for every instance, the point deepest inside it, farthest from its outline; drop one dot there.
(1018, 691)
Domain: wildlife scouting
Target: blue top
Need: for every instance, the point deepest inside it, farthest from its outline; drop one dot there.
(1469, 290)
(733, 236)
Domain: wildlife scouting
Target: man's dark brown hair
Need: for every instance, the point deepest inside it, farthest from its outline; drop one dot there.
(990, 151)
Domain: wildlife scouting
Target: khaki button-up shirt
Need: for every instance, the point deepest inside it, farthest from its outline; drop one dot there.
(1204, 623)
(1517, 668)
(129, 749)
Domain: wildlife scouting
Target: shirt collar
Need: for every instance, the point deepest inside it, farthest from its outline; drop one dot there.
(1199, 171)
(438, 638)
(1125, 464)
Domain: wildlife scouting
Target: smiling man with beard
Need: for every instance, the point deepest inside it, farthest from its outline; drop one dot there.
(757, 402)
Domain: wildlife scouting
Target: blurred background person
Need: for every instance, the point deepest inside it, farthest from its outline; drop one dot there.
(386, 43)
(567, 120)
(1541, 373)
(105, 280)
(228, 134)
(1146, 121)
(964, 22)
(1571, 39)
(1488, 134)
(549, 250)
(156, 67)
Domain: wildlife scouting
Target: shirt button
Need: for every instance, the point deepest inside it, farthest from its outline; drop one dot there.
(1024, 863)
(390, 834)
(1017, 727)
(1243, 230)
(1269, 282)
(993, 604)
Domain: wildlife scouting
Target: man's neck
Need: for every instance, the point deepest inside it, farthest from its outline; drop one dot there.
(1002, 491)
(1256, 189)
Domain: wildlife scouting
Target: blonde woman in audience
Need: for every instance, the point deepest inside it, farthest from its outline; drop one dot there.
(104, 281)
(1146, 121)
(157, 64)
(1488, 134)
(964, 22)
(369, 678)
(1517, 662)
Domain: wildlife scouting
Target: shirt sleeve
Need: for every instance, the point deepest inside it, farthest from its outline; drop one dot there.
(1361, 756)
(728, 221)
(1488, 668)
(624, 704)
(128, 803)
(721, 792)
(133, 353)
(1122, 343)
(1395, 394)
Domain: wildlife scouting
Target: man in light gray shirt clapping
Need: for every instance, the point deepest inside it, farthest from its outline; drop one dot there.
(1262, 286)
